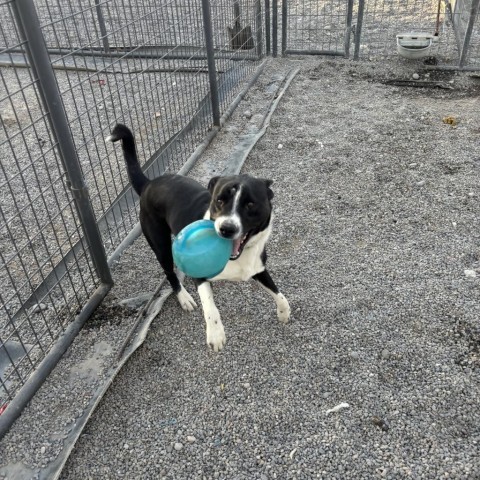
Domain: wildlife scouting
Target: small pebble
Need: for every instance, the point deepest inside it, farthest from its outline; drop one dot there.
(415, 76)
(126, 447)
(43, 450)
(355, 355)
(385, 354)
(248, 114)
(280, 146)
(178, 446)
(38, 307)
(191, 439)
(470, 273)
(337, 408)
(380, 423)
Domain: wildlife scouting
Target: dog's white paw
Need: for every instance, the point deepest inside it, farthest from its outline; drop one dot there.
(186, 301)
(283, 308)
(216, 336)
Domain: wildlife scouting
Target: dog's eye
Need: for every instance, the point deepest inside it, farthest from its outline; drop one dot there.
(219, 202)
(250, 206)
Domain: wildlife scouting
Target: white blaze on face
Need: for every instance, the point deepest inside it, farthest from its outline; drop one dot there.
(233, 218)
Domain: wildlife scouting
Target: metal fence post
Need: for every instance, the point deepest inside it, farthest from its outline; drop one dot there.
(348, 32)
(358, 29)
(284, 26)
(468, 33)
(101, 25)
(29, 27)
(267, 27)
(212, 69)
(274, 27)
(258, 27)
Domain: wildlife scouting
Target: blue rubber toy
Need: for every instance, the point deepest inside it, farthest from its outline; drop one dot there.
(199, 251)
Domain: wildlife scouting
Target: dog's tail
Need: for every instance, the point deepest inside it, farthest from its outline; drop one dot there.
(137, 178)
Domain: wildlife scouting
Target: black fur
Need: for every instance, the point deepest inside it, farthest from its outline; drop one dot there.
(240, 205)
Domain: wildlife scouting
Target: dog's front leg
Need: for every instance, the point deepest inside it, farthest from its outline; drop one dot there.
(215, 332)
(283, 308)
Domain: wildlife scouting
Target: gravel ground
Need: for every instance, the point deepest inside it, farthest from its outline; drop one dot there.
(377, 247)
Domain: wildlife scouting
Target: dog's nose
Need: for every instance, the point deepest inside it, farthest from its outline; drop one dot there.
(228, 230)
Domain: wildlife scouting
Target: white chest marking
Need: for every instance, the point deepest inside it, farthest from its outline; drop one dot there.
(249, 263)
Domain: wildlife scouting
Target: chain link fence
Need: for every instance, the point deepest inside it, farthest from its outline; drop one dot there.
(69, 71)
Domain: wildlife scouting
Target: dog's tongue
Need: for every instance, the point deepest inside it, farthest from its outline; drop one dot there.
(236, 247)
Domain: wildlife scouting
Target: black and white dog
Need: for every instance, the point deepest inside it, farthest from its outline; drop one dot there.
(239, 205)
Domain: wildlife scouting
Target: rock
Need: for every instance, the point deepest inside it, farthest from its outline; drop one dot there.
(380, 423)
(415, 76)
(470, 273)
(191, 439)
(38, 307)
(136, 302)
(178, 446)
(385, 354)
(337, 408)
(248, 114)
(8, 118)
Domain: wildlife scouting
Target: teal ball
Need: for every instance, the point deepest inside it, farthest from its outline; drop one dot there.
(199, 251)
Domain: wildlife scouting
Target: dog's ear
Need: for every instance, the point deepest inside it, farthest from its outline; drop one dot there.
(211, 184)
(269, 190)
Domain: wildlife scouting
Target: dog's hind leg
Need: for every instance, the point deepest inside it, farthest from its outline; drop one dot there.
(158, 236)
(215, 332)
(283, 308)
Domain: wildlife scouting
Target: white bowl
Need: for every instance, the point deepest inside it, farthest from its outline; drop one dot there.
(414, 44)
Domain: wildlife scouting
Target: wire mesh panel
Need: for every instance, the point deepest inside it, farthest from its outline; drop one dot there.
(238, 41)
(372, 26)
(44, 280)
(156, 92)
(317, 26)
(141, 63)
(464, 19)
(446, 21)
(384, 20)
(148, 70)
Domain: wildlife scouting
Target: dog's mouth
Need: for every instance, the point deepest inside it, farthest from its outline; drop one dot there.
(239, 245)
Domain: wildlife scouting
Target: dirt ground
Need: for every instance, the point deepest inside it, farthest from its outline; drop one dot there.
(376, 245)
